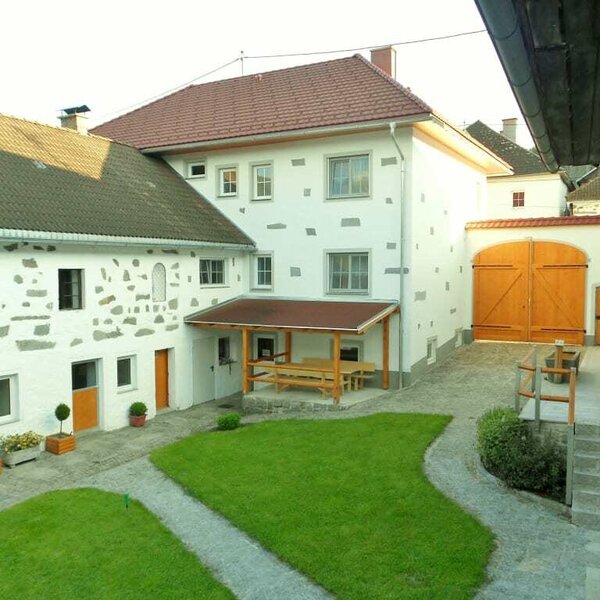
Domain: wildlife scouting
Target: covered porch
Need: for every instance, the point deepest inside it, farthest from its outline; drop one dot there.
(305, 373)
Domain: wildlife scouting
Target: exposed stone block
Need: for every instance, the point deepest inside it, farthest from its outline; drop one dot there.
(144, 331)
(106, 300)
(242, 210)
(311, 231)
(420, 296)
(175, 265)
(103, 273)
(76, 342)
(100, 335)
(295, 272)
(156, 308)
(108, 321)
(159, 319)
(95, 321)
(38, 247)
(350, 222)
(172, 327)
(174, 284)
(431, 231)
(11, 247)
(392, 271)
(298, 162)
(30, 318)
(117, 310)
(391, 160)
(41, 329)
(447, 286)
(307, 192)
(135, 262)
(139, 297)
(50, 248)
(170, 251)
(214, 301)
(28, 345)
(116, 262)
(130, 321)
(276, 226)
(406, 270)
(25, 304)
(388, 201)
(391, 246)
(136, 310)
(194, 302)
(50, 305)
(131, 288)
(436, 270)
(452, 311)
(30, 263)
(36, 293)
(173, 304)
(18, 279)
(4, 330)
(126, 276)
(98, 289)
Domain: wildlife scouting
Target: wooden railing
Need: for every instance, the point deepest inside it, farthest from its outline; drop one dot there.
(530, 386)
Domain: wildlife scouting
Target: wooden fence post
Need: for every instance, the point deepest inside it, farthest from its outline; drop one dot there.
(518, 389)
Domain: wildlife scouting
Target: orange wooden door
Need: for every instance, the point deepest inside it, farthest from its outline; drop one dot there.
(85, 409)
(529, 291)
(558, 274)
(597, 314)
(161, 378)
(500, 292)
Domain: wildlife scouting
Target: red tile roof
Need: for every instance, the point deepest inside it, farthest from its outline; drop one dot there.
(534, 222)
(335, 92)
(350, 317)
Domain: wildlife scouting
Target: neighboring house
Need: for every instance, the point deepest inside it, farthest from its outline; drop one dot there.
(103, 251)
(585, 200)
(531, 190)
(352, 187)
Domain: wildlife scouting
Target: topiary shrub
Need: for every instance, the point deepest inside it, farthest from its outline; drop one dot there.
(138, 409)
(62, 413)
(228, 421)
(509, 450)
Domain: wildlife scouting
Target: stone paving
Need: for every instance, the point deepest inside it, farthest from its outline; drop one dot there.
(539, 554)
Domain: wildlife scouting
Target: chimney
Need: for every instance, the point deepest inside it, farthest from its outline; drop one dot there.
(385, 59)
(509, 129)
(75, 118)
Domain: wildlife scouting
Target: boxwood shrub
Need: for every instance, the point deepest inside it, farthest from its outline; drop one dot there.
(228, 421)
(510, 451)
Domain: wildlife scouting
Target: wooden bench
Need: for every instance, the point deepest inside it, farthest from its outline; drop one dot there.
(288, 374)
(356, 372)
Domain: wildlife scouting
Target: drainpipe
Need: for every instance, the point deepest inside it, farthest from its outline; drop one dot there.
(392, 126)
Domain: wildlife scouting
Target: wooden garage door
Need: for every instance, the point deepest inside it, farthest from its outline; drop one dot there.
(529, 291)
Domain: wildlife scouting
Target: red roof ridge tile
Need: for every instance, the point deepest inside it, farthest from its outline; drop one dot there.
(534, 222)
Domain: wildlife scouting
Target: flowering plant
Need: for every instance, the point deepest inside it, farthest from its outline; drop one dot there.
(20, 441)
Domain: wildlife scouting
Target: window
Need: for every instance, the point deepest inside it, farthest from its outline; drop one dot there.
(431, 350)
(70, 289)
(349, 272)
(212, 272)
(83, 375)
(263, 271)
(228, 181)
(265, 347)
(224, 351)
(262, 177)
(351, 350)
(159, 283)
(348, 176)
(126, 372)
(8, 401)
(518, 199)
(196, 169)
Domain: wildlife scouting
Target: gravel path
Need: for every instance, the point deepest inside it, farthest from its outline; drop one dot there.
(248, 570)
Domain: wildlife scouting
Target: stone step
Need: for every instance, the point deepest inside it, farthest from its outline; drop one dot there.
(586, 499)
(587, 461)
(586, 479)
(586, 518)
(585, 443)
(587, 430)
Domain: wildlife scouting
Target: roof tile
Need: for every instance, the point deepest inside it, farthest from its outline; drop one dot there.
(534, 222)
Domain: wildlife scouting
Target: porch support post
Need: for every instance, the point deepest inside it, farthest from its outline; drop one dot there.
(386, 352)
(245, 366)
(336, 367)
(288, 346)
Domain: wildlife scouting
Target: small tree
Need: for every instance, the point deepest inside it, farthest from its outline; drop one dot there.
(62, 413)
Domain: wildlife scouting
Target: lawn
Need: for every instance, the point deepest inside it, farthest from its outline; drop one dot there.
(84, 544)
(344, 501)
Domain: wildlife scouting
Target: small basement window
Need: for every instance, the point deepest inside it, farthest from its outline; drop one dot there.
(70, 289)
(224, 351)
(431, 350)
(518, 199)
(196, 170)
(126, 372)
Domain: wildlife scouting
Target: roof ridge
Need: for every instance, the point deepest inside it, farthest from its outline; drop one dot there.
(394, 82)
(65, 130)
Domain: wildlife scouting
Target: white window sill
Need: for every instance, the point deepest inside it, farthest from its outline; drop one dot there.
(124, 389)
(212, 286)
(8, 419)
(348, 293)
(227, 196)
(358, 197)
(265, 199)
(196, 177)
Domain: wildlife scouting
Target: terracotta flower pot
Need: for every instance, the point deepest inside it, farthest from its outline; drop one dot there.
(60, 443)
(137, 420)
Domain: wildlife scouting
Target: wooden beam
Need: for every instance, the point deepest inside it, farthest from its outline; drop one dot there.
(386, 353)
(337, 345)
(288, 346)
(245, 357)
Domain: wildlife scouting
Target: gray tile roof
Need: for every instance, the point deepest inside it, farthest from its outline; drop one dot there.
(57, 180)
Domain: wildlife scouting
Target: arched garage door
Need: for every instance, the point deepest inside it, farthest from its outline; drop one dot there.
(529, 291)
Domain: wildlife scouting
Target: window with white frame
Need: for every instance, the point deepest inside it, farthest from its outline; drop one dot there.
(212, 271)
(159, 283)
(70, 289)
(126, 372)
(263, 271)
(8, 399)
(348, 272)
(228, 181)
(224, 349)
(348, 176)
(518, 199)
(262, 182)
(196, 169)
(431, 350)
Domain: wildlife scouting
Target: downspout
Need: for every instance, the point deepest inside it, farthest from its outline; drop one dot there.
(403, 266)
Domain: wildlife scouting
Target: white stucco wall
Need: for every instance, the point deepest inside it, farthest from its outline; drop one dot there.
(445, 192)
(119, 319)
(545, 196)
(583, 237)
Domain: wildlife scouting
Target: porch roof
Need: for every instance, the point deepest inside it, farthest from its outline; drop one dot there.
(294, 315)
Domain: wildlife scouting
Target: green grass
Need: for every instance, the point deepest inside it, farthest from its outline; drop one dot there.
(84, 544)
(344, 501)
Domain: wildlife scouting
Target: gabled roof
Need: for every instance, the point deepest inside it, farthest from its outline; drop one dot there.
(336, 92)
(523, 161)
(588, 191)
(57, 180)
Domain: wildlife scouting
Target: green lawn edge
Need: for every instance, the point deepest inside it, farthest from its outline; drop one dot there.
(84, 543)
(356, 557)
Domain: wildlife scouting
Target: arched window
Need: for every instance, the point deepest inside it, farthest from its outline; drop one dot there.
(159, 283)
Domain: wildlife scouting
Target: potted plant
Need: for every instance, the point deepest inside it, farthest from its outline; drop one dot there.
(137, 414)
(61, 443)
(20, 447)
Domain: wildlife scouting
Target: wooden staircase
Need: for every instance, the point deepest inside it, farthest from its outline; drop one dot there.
(586, 476)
